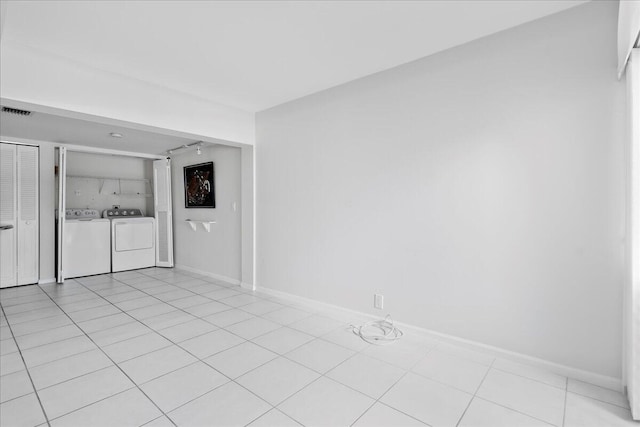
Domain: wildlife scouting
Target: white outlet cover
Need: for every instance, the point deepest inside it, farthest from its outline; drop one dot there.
(378, 301)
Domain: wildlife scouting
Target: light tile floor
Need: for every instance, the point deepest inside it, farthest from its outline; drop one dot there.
(162, 347)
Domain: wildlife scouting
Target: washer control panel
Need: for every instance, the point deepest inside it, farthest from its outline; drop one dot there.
(81, 213)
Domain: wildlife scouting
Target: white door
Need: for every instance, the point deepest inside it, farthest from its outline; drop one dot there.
(19, 228)
(62, 192)
(164, 218)
(8, 218)
(28, 215)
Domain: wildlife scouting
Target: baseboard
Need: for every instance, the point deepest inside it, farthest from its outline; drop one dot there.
(49, 280)
(564, 370)
(247, 286)
(557, 368)
(220, 277)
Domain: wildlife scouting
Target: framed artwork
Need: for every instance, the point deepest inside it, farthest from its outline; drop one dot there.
(199, 190)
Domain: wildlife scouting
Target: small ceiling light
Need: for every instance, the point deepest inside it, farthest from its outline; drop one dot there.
(115, 135)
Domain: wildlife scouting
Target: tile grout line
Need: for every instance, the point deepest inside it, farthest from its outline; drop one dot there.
(494, 359)
(35, 391)
(32, 320)
(531, 379)
(224, 328)
(285, 304)
(168, 339)
(475, 395)
(75, 378)
(52, 342)
(136, 319)
(193, 355)
(97, 401)
(60, 358)
(169, 301)
(475, 392)
(64, 339)
(407, 371)
(12, 316)
(9, 298)
(277, 355)
(598, 400)
(356, 352)
(119, 368)
(514, 410)
(279, 411)
(380, 397)
(233, 380)
(282, 355)
(39, 305)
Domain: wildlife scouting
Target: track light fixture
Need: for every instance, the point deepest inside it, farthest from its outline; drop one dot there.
(197, 144)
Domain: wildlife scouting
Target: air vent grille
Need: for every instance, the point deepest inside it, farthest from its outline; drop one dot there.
(16, 111)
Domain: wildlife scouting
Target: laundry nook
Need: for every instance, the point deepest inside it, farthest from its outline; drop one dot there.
(110, 213)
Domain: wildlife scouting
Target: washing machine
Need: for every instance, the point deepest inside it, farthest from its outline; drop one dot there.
(86, 243)
(132, 239)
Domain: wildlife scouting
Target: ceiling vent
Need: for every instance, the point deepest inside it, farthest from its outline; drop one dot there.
(16, 111)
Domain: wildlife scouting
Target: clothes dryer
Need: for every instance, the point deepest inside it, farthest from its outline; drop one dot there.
(132, 239)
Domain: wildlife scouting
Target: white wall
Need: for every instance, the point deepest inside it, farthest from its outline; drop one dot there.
(248, 218)
(217, 252)
(40, 78)
(481, 190)
(86, 192)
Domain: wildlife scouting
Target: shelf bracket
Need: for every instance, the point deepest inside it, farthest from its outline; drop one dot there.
(205, 224)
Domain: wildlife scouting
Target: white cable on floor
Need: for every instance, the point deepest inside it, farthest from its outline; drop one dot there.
(378, 332)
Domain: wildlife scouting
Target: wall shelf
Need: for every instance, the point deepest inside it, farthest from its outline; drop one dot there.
(115, 184)
(205, 224)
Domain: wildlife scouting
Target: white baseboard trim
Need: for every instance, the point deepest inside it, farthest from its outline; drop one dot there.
(49, 280)
(557, 368)
(220, 277)
(247, 286)
(564, 370)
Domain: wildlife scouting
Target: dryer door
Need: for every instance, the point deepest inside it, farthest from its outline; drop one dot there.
(131, 236)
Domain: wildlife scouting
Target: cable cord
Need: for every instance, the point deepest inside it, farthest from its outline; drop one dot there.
(378, 332)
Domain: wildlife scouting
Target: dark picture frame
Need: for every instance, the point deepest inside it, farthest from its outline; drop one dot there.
(199, 188)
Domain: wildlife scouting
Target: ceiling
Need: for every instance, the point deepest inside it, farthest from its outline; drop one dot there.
(48, 127)
(254, 55)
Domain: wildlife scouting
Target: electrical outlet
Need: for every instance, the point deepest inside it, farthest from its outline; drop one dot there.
(378, 301)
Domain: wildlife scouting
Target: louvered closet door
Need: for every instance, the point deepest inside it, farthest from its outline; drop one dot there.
(28, 247)
(162, 203)
(8, 223)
